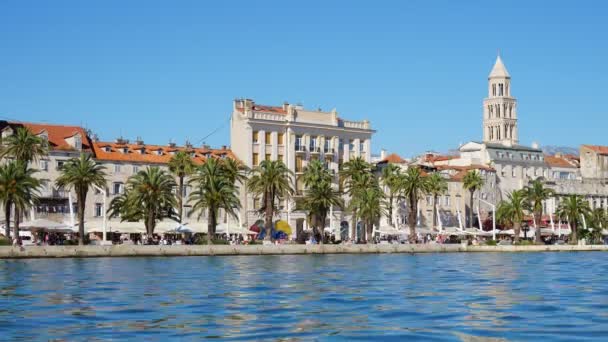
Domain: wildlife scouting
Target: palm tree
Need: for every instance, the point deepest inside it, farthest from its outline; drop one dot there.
(436, 186)
(414, 185)
(371, 203)
(511, 212)
(181, 165)
(81, 174)
(24, 146)
(18, 188)
(536, 193)
(214, 189)
(355, 174)
(319, 196)
(235, 171)
(148, 197)
(472, 181)
(571, 208)
(391, 175)
(271, 180)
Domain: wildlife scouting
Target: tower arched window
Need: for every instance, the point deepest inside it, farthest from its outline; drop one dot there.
(493, 89)
(498, 110)
(500, 89)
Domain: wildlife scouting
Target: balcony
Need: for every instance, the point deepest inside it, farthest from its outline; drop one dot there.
(329, 150)
(300, 149)
(315, 149)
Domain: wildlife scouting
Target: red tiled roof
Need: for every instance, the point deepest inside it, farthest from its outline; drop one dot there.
(597, 149)
(57, 134)
(555, 161)
(150, 156)
(394, 158)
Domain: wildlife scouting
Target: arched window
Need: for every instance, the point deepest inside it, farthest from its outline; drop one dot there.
(493, 89)
(500, 89)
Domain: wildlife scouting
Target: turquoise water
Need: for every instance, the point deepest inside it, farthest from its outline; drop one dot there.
(525, 296)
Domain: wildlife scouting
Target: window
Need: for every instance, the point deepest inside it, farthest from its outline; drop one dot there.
(135, 169)
(116, 168)
(280, 138)
(98, 210)
(429, 200)
(268, 137)
(501, 89)
(351, 145)
(268, 156)
(299, 167)
(255, 160)
(256, 203)
(60, 164)
(446, 200)
(44, 165)
(513, 173)
(341, 144)
(118, 188)
(255, 137)
(361, 147)
(299, 143)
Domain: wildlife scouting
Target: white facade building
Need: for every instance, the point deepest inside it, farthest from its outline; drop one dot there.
(296, 136)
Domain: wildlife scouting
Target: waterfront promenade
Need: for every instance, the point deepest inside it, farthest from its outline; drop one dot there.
(204, 250)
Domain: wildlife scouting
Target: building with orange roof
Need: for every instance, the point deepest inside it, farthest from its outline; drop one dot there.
(594, 161)
(121, 159)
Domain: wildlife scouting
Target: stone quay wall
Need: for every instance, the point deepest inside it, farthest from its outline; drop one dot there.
(203, 250)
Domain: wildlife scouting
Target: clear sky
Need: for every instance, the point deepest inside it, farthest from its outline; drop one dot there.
(416, 69)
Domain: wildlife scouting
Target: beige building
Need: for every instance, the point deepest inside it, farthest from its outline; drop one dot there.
(296, 136)
(121, 159)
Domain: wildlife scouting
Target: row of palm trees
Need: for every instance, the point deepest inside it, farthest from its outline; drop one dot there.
(572, 209)
(149, 195)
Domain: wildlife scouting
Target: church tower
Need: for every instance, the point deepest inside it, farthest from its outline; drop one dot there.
(500, 108)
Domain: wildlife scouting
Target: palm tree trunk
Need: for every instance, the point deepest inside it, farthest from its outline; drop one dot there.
(434, 211)
(370, 230)
(180, 193)
(516, 230)
(268, 217)
(321, 223)
(390, 210)
(210, 225)
(7, 215)
(82, 197)
(574, 234)
(353, 228)
(471, 208)
(412, 217)
(537, 217)
(16, 226)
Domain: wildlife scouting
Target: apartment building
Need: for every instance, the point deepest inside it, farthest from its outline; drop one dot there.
(121, 159)
(296, 136)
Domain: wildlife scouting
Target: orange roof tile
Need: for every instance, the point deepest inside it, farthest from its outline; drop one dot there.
(150, 156)
(57, 134)
(394, 158)
(555, 161)
(597, 149)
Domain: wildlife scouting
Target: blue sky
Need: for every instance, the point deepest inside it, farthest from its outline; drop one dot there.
(416, 69)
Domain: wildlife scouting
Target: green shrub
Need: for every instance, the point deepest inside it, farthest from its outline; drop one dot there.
(524, 243)
(5, 242)
(491, 243)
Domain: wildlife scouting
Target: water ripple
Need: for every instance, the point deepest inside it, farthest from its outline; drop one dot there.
(432, 297)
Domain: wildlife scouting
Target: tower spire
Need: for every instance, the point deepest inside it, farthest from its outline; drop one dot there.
(500, 108)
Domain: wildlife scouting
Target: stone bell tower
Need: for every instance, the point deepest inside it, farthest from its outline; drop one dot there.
(500, 108)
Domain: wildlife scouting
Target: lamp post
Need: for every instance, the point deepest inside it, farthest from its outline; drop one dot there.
(493, 216)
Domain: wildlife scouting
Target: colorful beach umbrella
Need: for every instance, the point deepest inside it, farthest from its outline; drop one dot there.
(283, 226)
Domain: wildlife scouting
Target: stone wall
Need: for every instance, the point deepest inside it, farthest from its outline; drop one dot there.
(143, 251)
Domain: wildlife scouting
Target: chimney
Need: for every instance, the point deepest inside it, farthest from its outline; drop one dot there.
(188, 144)
(171, 144)
(224, 147)
(205, 146)
(285, 106)
(382, 154)
(139, 141)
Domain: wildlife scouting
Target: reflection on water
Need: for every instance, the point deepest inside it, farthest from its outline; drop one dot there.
(463, 297)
